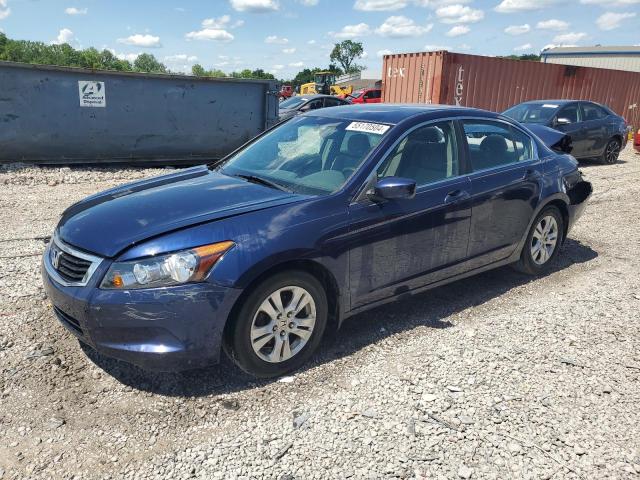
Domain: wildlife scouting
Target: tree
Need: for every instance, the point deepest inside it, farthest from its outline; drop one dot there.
(198, 70)
(148, 63)
(66, 56)
(345, 53)
(529, 56)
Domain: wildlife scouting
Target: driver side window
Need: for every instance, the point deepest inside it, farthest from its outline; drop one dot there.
(428, 154)
(569, 112)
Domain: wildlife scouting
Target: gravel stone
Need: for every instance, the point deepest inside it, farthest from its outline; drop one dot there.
(527, 378)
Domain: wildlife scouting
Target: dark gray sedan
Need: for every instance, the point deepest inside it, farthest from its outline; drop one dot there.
(595, 130)
(304, 103)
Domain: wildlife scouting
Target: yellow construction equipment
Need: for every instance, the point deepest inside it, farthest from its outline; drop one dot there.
(325, 82)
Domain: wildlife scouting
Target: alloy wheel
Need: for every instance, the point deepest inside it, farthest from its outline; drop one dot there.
(544, 239)
(283, 324)
(612, 152)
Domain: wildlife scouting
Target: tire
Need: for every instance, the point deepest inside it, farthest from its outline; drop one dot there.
(258, 338)
(611, 152)
(535, 260)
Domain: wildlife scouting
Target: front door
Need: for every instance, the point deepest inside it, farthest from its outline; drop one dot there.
(569, 120)
(505, 183)
(400, 245)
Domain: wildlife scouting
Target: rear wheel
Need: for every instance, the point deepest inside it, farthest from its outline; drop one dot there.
(543, 242)
(279, 325)
(611, 152)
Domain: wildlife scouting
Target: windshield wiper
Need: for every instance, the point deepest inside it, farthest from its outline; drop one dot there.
(263, 181)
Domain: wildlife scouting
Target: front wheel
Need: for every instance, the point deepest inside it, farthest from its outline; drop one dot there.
(611, 152)
(279, 325)
(543, 242)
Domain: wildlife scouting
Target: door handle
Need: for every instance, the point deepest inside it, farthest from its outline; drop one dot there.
(456, 196)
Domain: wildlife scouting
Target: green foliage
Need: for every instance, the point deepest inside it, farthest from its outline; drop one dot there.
(66, 56)
(529, 56)
(345, 53)
(199, 71)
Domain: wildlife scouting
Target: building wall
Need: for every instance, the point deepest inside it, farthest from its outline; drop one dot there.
(630, 63)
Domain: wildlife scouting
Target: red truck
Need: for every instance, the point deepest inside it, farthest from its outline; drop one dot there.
(286, 91)
(366, 95)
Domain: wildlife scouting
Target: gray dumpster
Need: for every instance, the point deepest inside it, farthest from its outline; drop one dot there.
(70, 115)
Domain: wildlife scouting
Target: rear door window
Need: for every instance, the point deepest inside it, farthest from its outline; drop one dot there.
(591, 111)
(494, 144)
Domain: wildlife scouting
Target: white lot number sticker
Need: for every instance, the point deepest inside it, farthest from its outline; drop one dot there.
(92, 94)
(376, 128)
(549, 105)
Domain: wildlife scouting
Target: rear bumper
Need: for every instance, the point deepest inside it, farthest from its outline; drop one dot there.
(164, 329)
(578, 196)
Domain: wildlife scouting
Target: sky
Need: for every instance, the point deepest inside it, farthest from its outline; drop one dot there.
(285, 36)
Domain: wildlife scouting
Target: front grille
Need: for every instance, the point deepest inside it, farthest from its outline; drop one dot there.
(72, 269)
(68, 321)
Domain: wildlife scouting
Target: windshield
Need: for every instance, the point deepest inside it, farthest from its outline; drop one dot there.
(532, 112)
(308, 155)
(293, 102)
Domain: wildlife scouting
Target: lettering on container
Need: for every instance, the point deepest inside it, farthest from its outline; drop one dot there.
(395, 72)
(92, 94)
(459, 86)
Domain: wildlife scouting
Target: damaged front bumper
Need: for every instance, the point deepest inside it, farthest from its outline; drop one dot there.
(163, 329)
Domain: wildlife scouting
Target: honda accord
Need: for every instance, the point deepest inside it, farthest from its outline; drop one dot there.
(328, 214)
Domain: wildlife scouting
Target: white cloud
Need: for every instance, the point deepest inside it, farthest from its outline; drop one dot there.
(521, 48)
(131, 57)
(511, 6)
(383, 52)
(5, 11)
(221, 23)
(553, 24)
(309, 3)
(276, 40)
(459, 14)
(401, 27)
(64, 36)
(289, 51)
(311, 42)
(277, 67)
(139, 40)
(297, 64)
(352, 31)
(181, 57)
(76, 11)
(215, 34)
(611, 21)
(254, 6)
(379, 5)
(570, 38)
(458, 30)
(517, 29)
(611, 3)
(436, 48)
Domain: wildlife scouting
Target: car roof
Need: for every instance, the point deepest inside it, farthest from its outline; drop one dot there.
(393, 113)
(553, 101)
(315, 95)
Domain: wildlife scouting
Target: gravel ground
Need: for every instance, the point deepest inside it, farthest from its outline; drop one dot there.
(496, 376)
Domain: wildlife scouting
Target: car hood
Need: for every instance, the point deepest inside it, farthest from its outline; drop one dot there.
(109, 222)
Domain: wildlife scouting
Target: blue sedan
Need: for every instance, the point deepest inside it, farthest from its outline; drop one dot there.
(329, 214)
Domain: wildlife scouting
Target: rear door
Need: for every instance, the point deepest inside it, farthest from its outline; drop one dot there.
(505, 185)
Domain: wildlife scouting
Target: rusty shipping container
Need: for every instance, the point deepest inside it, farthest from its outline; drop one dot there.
(498, 83)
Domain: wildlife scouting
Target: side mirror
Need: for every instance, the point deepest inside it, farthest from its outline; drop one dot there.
(393, 188)
(562, 121)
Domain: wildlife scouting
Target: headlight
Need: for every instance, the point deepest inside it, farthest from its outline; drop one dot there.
(165, 270)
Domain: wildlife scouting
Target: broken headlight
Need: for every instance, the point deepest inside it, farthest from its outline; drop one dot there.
(176, 268)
